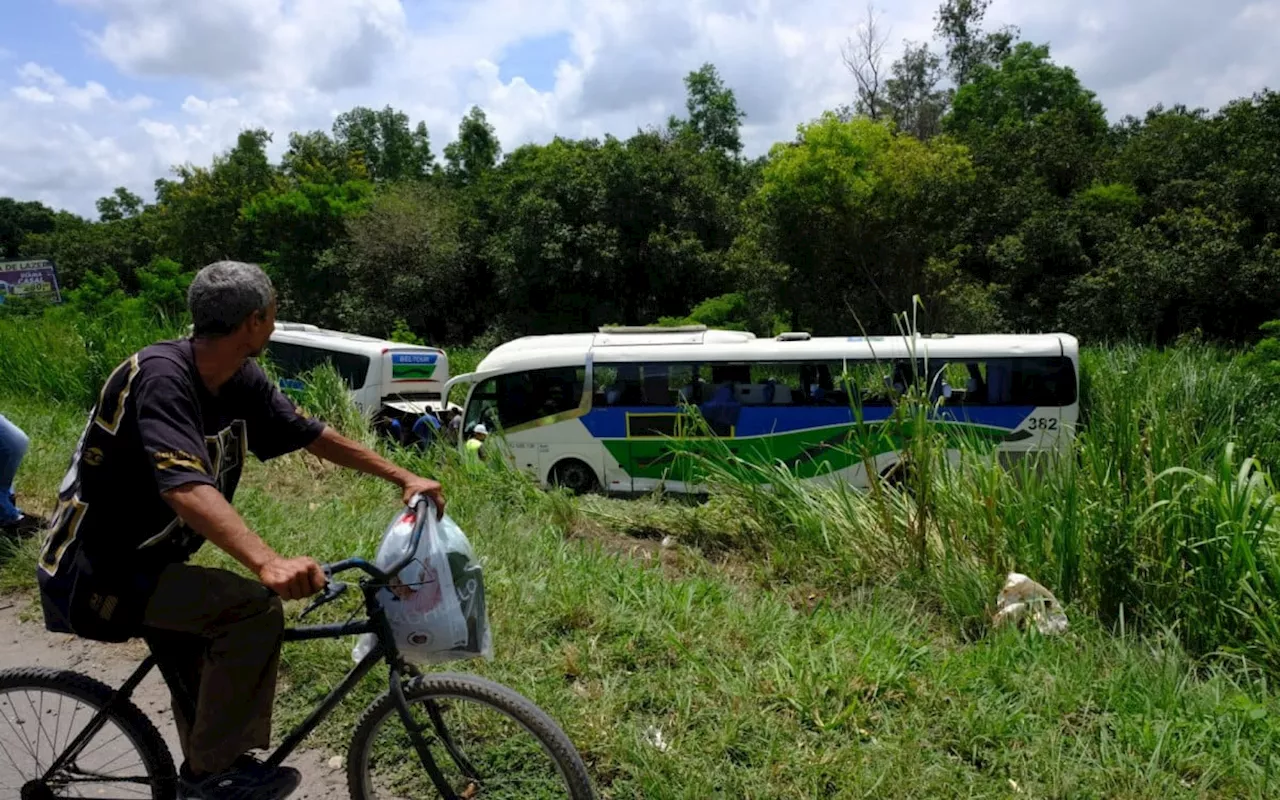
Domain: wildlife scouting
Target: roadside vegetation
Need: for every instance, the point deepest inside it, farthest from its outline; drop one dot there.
(821, 642)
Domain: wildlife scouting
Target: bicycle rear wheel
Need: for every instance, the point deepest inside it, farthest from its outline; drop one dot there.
(488, 741)
(43, 711)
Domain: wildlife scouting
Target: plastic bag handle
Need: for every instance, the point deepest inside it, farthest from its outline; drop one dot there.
(421, 505)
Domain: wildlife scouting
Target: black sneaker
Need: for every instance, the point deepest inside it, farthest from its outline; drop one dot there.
(24, 526)
(248, 779)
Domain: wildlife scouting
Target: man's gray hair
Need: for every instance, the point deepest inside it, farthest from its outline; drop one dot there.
(224, 294)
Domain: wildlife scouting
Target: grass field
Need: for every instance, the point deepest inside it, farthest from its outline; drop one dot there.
(824, 643)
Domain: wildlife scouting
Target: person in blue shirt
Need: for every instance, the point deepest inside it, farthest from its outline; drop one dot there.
(426, 429)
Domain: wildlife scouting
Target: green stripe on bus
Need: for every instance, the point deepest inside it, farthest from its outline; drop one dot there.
(412, 372)
(808, 453)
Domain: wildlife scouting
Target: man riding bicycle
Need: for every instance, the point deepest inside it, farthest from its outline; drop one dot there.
(151, 479)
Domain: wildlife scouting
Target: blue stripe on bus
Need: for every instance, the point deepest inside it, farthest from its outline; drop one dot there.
(611, 422)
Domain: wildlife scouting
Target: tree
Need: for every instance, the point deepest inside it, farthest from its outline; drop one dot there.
(1037, 137)
(120, 204)
(726, 312)
(912, 97)
(959, 25)
(18, 220)
(863, 57)
(201, 208)
(855, 213)
(124, 243)
(401, 266)
(383, 140)
(297, 220)
(163, 287)
(476, 150)
(1027, 90)
(589, 233)
(1174, 275)
(315, 157)
(714, 116)
(555, 260)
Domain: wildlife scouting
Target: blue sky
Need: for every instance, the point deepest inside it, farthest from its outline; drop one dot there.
(101, 93)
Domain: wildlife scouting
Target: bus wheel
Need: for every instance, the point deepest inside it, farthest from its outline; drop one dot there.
(575, 476)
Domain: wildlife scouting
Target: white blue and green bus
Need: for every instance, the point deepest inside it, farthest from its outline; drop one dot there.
(601, 410)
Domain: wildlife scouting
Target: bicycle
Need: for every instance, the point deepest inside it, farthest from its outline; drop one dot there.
(454, 776)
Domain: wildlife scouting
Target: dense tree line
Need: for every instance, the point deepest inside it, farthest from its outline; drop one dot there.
(974, 172)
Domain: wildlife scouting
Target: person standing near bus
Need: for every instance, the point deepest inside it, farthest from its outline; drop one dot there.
(426, 429)
(478, 434)
(454, 426)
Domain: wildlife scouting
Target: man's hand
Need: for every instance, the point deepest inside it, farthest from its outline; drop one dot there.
(415, 485)
(292, 578)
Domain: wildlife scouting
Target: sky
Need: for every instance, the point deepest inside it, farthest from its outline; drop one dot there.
(96, 94)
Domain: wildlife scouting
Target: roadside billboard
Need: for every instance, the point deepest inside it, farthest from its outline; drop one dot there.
(34, 277)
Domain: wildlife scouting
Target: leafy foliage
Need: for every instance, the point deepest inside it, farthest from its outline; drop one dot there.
(384, 143)
(475, 151)
(852, 212)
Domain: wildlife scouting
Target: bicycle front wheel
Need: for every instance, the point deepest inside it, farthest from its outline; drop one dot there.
(487, 741)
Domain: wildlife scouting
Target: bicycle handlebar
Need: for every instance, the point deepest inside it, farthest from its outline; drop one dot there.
(422, 505)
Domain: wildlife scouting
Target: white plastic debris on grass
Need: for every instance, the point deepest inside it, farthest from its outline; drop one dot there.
(1022, 598)
(654, 737)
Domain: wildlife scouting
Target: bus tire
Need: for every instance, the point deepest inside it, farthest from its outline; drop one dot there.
(574, 475)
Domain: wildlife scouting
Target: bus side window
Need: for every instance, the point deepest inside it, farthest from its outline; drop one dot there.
(295, 360)
(775, 385)
(286, 357)
(871, 382)
(1027, 381)
(999, 382)
(604, 380)
(353, 368)
(627, 390)
(1044, 382)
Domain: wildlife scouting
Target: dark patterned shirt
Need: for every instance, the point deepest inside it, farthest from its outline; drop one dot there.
(156, 427)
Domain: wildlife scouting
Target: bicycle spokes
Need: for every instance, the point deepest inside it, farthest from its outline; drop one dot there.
(36, 727)
(480, 751)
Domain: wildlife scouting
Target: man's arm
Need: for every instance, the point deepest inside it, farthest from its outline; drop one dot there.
(209, 514)
(333, 446)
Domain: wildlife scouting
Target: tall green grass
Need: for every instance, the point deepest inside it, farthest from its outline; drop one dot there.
(1160, 515)
(66, 356)
(755, 691)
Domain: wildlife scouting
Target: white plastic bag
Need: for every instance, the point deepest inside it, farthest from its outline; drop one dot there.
(435, 605)
(1022, 597)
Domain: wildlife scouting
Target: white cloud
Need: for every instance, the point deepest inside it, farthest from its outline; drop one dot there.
(287, 44)
(32, 94)
(1143, 52)
(295, 64)
(53, 158)
(53, 88)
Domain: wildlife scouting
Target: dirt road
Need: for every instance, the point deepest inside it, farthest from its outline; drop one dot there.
(29, 644)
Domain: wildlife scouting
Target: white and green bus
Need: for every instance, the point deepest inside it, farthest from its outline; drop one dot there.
(387, 380)
(599, 410)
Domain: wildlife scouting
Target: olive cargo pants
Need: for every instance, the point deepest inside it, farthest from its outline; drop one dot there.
(217, 638)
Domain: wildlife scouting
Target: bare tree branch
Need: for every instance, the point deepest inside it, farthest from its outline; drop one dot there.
(863, 57)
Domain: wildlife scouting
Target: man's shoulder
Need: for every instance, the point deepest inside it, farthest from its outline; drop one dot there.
(165, 360)
(251, 378)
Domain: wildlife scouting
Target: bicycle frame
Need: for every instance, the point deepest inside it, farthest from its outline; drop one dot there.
(385, 649)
